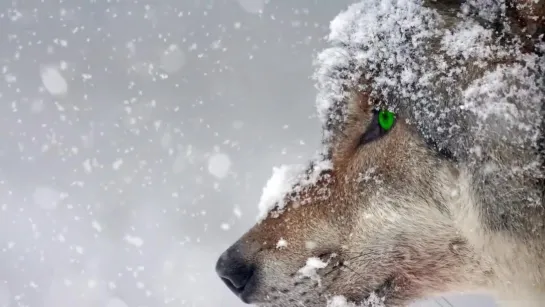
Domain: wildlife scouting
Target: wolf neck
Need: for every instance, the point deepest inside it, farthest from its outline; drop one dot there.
(510, 255)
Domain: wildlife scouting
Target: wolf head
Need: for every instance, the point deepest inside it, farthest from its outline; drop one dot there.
(375, 223)
(383, 220)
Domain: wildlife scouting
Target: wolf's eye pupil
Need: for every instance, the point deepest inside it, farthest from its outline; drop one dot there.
(386, 119)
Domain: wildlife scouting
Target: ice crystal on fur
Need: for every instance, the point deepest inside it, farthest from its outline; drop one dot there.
(372, 301)
(281, 243)
(310, 269)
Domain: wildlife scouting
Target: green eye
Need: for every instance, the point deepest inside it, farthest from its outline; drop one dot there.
(386, 119)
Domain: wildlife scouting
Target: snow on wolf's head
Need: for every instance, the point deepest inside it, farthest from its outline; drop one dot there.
(415, 99)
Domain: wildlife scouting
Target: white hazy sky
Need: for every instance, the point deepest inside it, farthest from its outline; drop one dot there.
(137, 137)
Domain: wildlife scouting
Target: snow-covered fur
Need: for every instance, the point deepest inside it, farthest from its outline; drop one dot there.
(451, 199)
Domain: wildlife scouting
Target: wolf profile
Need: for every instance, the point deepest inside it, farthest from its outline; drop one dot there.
(431, 177)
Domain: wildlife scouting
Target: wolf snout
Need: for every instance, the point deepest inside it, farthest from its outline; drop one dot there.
(235, 272)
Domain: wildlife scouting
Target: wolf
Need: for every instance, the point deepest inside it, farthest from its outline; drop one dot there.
(431, 174)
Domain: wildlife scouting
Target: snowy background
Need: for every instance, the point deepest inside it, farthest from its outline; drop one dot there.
(137, 137)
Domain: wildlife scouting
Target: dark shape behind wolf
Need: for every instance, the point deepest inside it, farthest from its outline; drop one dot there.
(449, 199)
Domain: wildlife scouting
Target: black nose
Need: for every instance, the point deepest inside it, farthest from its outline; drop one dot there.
(234, 271)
